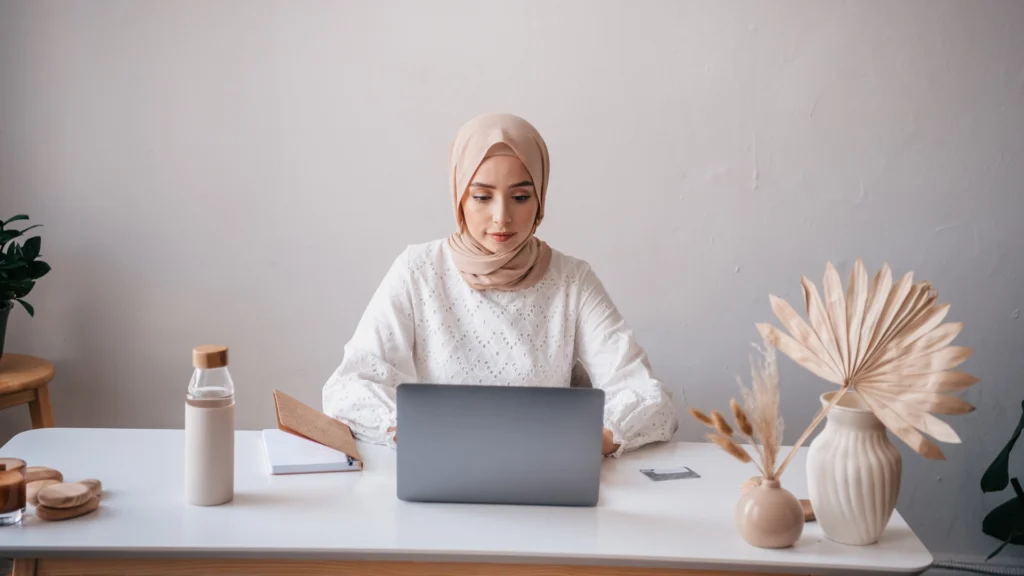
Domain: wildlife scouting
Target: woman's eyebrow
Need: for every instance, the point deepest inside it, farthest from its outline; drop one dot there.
(523, 184)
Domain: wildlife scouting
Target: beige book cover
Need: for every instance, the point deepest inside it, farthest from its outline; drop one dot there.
(297, 418)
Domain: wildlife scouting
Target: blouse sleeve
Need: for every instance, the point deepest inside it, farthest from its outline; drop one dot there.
(361, 391)
(638, 408)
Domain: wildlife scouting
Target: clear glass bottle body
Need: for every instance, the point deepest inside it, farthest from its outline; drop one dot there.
(211, 387)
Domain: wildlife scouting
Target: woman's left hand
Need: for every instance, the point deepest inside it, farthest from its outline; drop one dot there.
(608, 445)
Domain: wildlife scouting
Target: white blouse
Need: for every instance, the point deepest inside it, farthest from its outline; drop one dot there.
(426, 324)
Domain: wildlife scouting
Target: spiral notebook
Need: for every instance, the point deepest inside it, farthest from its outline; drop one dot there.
(307, 440)
(290, 454)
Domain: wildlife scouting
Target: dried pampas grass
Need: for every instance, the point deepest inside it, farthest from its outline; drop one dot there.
(756, 419)
(702, 417)
(730, 446)
(720, 424)
(887, 342)
(744, 425)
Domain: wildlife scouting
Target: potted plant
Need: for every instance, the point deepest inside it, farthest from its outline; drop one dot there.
(767, 515)
(1006, 521)
(20, 267)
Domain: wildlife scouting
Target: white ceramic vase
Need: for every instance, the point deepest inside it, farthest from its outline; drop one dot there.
(853, 473)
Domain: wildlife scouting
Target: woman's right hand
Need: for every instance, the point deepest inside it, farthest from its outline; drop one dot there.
(395, 430)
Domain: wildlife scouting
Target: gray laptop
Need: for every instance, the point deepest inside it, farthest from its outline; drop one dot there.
(499, 444)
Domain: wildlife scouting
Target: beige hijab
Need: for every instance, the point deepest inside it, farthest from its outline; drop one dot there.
(484, 136)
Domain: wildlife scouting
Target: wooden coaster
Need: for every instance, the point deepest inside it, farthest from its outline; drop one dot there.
(808, 511)
(53, 514)
(32, 489)
(34, 473)
(94, 486)
(64, 495)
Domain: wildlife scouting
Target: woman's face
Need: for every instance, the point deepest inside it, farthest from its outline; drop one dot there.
(500, 205)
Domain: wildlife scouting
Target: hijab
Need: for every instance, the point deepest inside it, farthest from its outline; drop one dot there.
(480, 138)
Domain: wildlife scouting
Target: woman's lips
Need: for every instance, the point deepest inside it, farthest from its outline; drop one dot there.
(502, 237)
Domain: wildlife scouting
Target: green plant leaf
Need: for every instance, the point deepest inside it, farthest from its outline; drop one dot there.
(32, 247)
(38, 269)
(8, 235)
(20, 266)
(16, 274)
(28, 307)
(22, 289)
(1006, 521)
(19, 282)
(997, 476)
(997, 550)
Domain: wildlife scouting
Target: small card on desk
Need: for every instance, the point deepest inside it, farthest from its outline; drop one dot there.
(308, 440)
(661, 474)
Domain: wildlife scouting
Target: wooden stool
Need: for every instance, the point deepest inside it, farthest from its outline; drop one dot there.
(25, 380)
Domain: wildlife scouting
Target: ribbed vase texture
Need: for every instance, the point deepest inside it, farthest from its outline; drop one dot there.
(853, 473)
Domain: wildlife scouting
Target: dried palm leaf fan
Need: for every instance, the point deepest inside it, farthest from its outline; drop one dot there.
(885, 341)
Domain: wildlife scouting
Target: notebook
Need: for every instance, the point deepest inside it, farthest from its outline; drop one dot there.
(307, 440)
(287, 453)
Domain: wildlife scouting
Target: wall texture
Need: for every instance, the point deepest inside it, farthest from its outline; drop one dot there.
(244, 172)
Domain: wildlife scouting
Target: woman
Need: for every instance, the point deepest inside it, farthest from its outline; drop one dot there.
(492, 304)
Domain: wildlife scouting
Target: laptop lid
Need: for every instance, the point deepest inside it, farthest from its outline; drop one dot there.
(499, 444)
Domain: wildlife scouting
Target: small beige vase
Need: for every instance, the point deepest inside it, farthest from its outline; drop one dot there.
(769, 516)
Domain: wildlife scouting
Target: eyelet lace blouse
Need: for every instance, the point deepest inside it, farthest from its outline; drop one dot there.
(424, 323)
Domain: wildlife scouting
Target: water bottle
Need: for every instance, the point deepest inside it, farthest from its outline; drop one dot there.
(210, 429)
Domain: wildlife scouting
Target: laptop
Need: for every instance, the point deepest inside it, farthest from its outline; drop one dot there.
(499, 444)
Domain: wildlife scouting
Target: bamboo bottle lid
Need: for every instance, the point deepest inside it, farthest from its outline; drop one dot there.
(210, 356)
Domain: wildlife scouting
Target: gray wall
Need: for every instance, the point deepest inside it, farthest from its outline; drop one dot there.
(244, 172)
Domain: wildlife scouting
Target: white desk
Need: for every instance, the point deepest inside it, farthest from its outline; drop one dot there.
(352, 523)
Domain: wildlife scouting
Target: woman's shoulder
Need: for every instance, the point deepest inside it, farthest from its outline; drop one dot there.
(421, 260)
(422, 252)
(570, 266)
